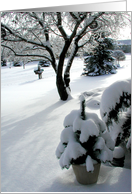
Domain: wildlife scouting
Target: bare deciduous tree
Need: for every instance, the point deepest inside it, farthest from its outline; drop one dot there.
(31, 34)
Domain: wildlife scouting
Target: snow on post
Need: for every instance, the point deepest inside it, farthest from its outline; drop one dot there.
(38, 71)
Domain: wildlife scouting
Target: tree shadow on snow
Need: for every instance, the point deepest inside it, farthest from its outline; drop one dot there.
(111, 179)
(26, 142)
(29, 82)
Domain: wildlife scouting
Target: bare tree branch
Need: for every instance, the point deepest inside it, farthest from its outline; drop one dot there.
(37, 37)
(27, 55)
(20, 37)
(59, 25)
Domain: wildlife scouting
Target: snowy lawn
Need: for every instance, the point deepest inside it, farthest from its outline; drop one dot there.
(31, 122)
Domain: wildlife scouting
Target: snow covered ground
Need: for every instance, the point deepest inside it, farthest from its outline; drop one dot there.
(31, 122)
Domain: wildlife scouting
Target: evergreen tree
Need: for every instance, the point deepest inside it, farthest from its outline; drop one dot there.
(125, 135)
(84, 140)
(100, 62)
(115, 109)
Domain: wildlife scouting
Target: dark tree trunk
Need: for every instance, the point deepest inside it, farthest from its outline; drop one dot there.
(61, 88)
(67, 80)
(69, 64)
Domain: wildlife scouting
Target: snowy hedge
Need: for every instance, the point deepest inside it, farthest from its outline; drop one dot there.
(119, 55)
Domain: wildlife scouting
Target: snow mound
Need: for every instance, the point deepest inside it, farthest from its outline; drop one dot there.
(93, 103)
(93, 98)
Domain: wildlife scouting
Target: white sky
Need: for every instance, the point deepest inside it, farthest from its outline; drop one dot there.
(125, 33)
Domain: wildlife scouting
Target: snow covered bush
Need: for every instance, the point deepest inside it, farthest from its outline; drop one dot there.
(125, 135)
(119, 55)
(115, 109)
(84, 139)
(100, 62)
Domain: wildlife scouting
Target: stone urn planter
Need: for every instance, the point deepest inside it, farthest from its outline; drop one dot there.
(39, 72)
(118, 157)
(83, 176)
(84, 144)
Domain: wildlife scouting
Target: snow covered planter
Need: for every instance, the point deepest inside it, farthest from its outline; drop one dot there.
(39, 72)
(84, 143)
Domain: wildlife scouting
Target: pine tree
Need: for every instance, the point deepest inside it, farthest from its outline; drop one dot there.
(115, 109)
(100, 62)
(125, 135)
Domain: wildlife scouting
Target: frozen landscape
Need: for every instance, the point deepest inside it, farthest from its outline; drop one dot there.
(31, 122)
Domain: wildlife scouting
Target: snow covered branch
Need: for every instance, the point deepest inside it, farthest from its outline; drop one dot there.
(26, 55)
(21, 38)
(59, 25)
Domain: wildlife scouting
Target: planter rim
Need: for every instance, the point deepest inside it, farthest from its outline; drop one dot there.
(84, 164)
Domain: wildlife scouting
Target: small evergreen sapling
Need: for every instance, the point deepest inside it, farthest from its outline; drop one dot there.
(84, 140)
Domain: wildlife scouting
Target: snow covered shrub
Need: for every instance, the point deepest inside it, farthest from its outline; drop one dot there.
(100, 62)
(119, 55)
(84, 140)
(115, 107)
(125, 135)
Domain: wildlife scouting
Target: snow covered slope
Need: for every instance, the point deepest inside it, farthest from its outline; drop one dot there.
(31, 122)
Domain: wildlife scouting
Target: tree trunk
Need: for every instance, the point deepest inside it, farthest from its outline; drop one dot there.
(61, 87)
(69, 64)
